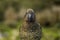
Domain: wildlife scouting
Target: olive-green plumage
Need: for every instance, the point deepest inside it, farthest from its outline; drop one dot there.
(30, 30)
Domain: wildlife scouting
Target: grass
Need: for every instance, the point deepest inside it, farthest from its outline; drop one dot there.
(48, 33)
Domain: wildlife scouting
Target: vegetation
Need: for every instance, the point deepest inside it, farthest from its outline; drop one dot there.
(12, 33)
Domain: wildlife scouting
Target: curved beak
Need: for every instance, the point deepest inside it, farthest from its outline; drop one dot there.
(29, 15)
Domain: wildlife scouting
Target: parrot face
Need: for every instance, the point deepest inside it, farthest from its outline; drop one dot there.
(30, 17)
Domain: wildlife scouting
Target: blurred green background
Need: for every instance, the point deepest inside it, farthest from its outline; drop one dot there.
(12, 13)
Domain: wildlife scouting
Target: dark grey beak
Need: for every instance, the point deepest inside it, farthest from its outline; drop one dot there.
(31, 17)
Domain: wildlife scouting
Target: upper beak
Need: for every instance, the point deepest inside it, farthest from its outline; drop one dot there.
(29, 15)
